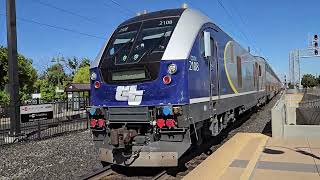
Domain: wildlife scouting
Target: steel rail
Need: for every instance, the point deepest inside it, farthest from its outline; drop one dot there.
(98, 174)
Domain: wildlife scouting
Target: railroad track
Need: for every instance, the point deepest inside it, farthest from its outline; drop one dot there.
(107, 172)
(96, 175)
(161, 176)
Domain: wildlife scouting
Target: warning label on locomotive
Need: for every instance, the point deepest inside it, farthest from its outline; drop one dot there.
(31, 113)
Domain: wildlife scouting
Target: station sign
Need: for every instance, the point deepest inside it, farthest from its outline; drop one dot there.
(32, 113)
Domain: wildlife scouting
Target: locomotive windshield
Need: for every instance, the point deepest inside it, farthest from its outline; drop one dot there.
(135, 50)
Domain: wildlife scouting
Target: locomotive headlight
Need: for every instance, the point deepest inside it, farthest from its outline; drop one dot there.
(172, 68)
(93, 76)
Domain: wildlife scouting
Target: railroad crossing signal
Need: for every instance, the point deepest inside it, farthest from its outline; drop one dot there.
(316, 44)
(297, 54)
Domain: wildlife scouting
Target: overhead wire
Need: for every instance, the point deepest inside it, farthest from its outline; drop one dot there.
(123, 12)
(244, 22)
(57, 27)
(233, 22)
(201, 10)
(88, 19)
(123, 7)
(258, 51)
(242, 33)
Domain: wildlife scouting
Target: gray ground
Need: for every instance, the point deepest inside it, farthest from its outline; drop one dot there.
(64, 157)
(72, 155)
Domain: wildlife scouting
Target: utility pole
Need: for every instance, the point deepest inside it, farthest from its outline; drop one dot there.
(13, 67)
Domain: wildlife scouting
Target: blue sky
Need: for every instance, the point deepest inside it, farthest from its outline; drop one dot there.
(273, 27)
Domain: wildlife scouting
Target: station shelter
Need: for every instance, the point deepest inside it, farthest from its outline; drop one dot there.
(78, 95)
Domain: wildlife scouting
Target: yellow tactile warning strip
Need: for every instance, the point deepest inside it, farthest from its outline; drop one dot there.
(241, 146)
(279, 166)
(258, 157)
(254, 158)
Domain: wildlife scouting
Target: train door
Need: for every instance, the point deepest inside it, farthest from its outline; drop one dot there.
(214, 80)
(214, 73)
(210, 54)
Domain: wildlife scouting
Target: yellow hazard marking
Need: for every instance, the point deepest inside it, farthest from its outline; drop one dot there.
(225, 67)
(253, 161)
(218, 163)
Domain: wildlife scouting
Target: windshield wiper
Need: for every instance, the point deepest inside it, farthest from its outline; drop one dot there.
(125, 44)
(148, 52)
(158, 43)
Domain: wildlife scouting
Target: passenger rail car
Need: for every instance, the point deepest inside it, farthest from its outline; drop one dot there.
(166, 79)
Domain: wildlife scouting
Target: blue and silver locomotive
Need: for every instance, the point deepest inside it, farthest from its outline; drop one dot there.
(167, 79)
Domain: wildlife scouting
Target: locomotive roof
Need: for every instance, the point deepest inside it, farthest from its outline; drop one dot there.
(154, 15)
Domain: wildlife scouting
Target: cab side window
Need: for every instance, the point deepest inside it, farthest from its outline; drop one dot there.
(201, 45)
(212, 47)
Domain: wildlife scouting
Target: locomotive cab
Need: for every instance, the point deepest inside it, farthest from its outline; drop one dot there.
(166, 79)
(138, 98)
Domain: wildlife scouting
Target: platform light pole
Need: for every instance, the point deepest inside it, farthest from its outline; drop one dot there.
(13, 67)
(58, 60)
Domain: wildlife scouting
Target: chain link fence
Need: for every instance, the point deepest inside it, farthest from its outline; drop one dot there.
(308, 111)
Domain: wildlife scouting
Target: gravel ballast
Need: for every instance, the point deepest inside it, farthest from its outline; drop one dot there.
(63, 157)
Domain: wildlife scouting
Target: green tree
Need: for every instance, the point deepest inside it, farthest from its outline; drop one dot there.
(53, 77)
(4, 98)
(74, 63)
(46, 89)
(84, 62)
(56, 75)
(27, 74)
(308, 80)
(82, 75)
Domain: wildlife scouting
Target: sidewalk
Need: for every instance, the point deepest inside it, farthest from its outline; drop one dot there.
(259, 157)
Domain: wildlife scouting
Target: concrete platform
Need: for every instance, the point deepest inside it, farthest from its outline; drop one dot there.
(259, 157)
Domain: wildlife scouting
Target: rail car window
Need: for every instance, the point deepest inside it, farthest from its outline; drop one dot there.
(239, 71)
(254, 76)
(232, 52)
(259, 70)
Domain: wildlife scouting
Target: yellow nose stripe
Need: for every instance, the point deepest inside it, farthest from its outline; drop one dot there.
(225, 67)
